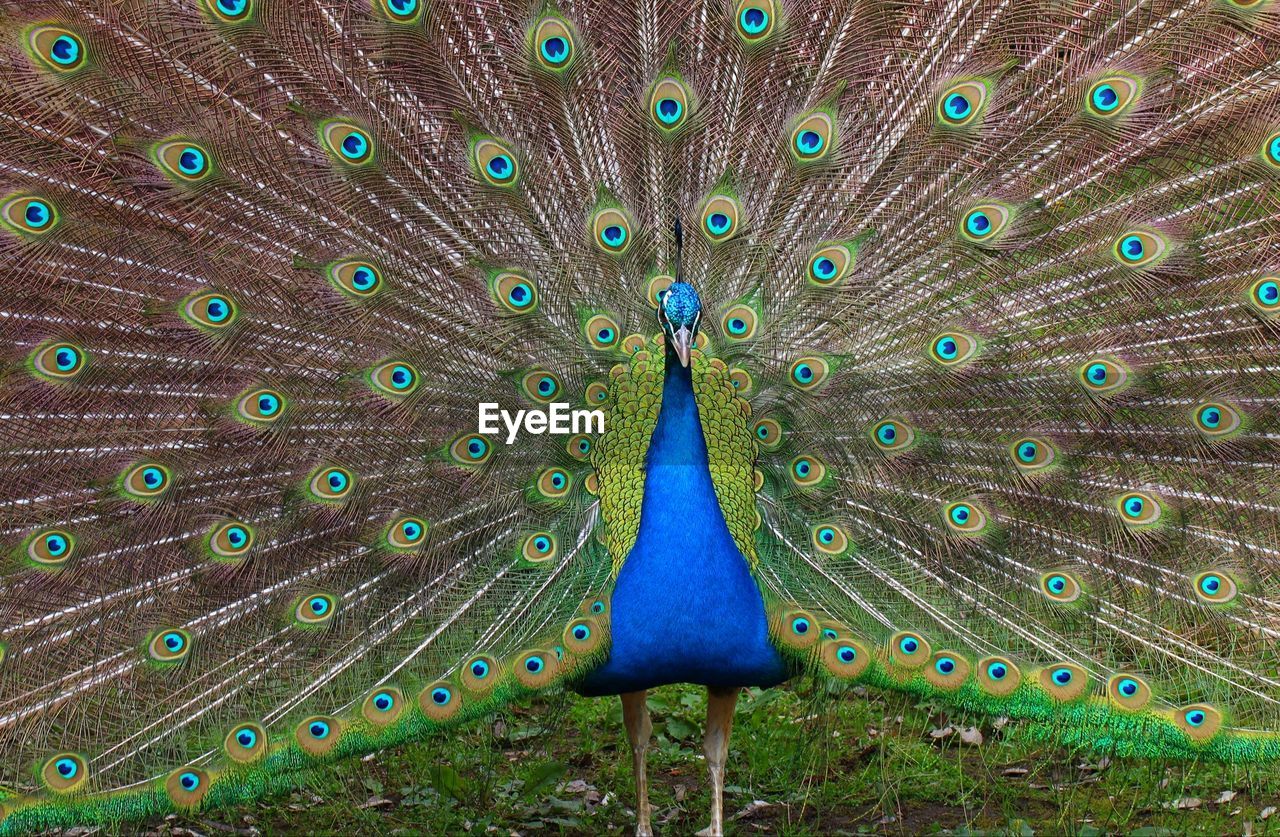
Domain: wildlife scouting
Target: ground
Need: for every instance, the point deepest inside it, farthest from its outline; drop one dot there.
(802, 761)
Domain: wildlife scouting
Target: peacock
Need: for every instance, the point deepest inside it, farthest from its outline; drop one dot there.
(931, 346)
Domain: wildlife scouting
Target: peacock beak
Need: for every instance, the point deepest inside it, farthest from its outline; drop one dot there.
(683, 340)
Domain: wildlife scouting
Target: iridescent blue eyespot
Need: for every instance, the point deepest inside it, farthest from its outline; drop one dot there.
(67, 768)
(581, 632)
(217, 309)
(809, 142)
(152, 477)
(826, 534)
(500, 167)
(232, 7)
(1210, 584)
(37, 213)
(738, 326)
(354, 146)
(555, 50)
(960, 515)
(753, 20)
(1195, 717)
(383, 701)
(1027, 451)
(319, 605)
(65, 50)
(268, 404)
(534, 664)
(1097, 374)
(337, 480)
(1056, 583)
(887, 433)
(401, 377)
(908, 645)
(55, 545)
(189, 781)
(319, 730)
(1134, 505)
(191, 161)
(830, 633)
(997, 671)
(1132, 248)
(669, 110)
(1128, 687)
(615, 235)
(847, 653)
(1273, 149)
(479, 669)
(718, 223)
(956, 106)
(441, 696)
(800, 625)
(977, 223)
(803, 373)
(247, 738)
(174, 641)
(66, 358)
(1061, 676)
(1105, 98)
(824, 268)
(944, 665)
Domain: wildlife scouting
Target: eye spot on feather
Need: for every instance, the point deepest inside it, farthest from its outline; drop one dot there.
(1032, 454)
(330, 484)
(843, 656)
(739, 323)
(480, 674)
(1103, 376)
(1139, 509)
(554, 483)
(947, 670)
(755, 20)
(1215, 587)
(246, 743)
(169, 646)
(514, 292)
(583, 635)
(1064, 681)
(813, 137)
(808, 373)
(962, 103)
(29, 216)
(230, 11)
(65, 773)
(56, 48)
(1271, 151)
(796, 629)
(315, 610)
(602, 333)
(541, 386)
(669, 103)
(536, 669)
(395, 379)
(495, 162)
(1139, 248)
(768, 433)
(383, 706)
(318, 735)
(400, 11)
(965, 518)
(984, 223)
(1111, 96)
(579, 447)
(720, 217)
(611, 230)
(554, 46)
(57, 362)
(830, 539)
(209, 311)
(187, 786)
(998, 676)
(1060, 587)
(471, 449)
(261, 407)
(347, 143)
(829, 265)
(953, 349)
(439, 701)
(1264, 296)
(406, 534)
(183, 160)
(908, 649)
(1216, 419)
(807, 471)
(231, 540)
(50, 548)
(1128, 691)
(146, 481)
(892, 435)
(539, 548)
(356, 278)
(1199, 721)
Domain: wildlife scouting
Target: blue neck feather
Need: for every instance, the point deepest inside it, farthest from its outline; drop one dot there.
(685, 608)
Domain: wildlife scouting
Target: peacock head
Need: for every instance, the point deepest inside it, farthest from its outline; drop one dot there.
(679, 311)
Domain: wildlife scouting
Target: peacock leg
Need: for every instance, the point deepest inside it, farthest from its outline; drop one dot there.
(635, 717)
(720, 705)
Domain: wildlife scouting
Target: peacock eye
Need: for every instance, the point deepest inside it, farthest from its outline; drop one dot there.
(471, 449)
(952, 349)
(1264, 296)
(50, 548)
(962, 103)
(399, 11)
(669, 103)
(800, 626)
(230, 11)
(554, 44)
(57, 362)
(209, 310)
(539, 548)
(231, 539)
(347, 143)
(612, 230)
(892, 435)
(809, 373)
(1103, 376)
(441, 696)
(146, 481)
(64, 773)
(602, 332)
(1139, 248)
(807, 471)
(28, 215)
(813, 137)
(1060, 587)
(553, 483)
(1032, 453)
(739, 322)
(57, 49)
(985, 222)
(330, 483)
(1111, 96)
(183, 160)
(396, 379)
(316, 609)
(829, 264)
(965, 518)
(830, 539)
(720, 216)
(755, 19)
(1216, 419)
(355, 278)
(1139, 509)
(496, 162)
(1215, 587)
(169, 646)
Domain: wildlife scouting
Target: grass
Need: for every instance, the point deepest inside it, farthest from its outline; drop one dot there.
(801, 762)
